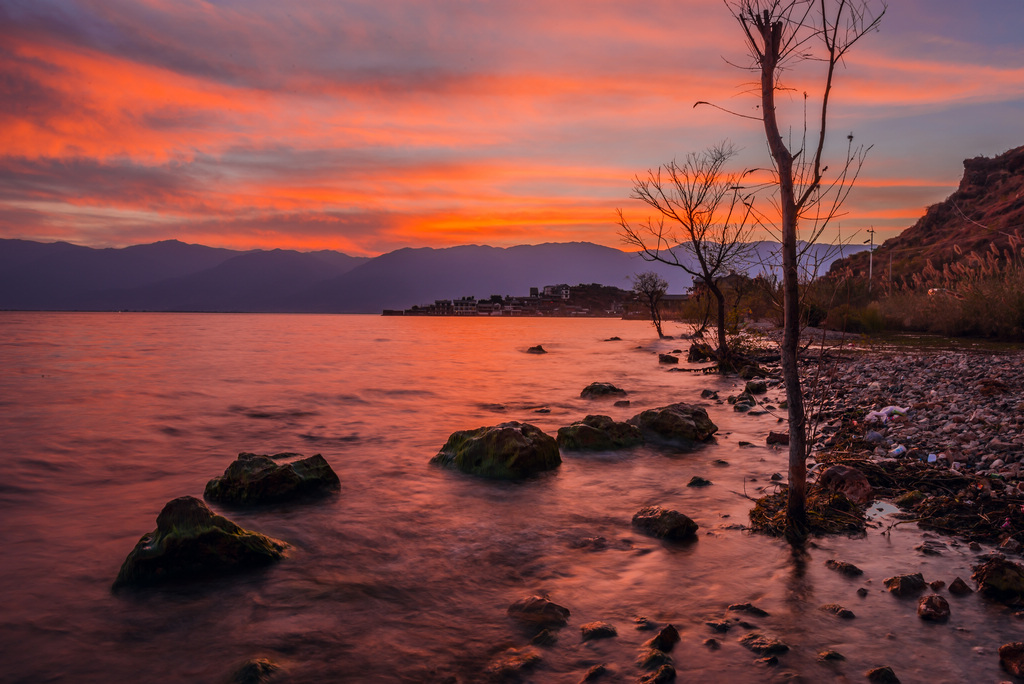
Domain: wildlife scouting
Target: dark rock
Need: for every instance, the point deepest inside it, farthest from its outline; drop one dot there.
(507, 451)
(595, 673)
(191, 541)
(667, 358)
(829, 654)
(862, 592)
(257, 479)
(781, 438)
(1000, 579)
(842, 567)
(665, 673)
(621, 402)
(882, 675)
(930, 547)
(720, 626)
(512, 663)
(776, 477)
(712, 643)
(537, 611)
(544, 637)
(959, 588)
(933, 608)
(905, 585)
(770, 661)
(614, 339)
(599, 433)
(763, 645)
(708, 394)
(679, 424)
(665, 639)
(749, 609)
(255, 671)
(848, 481)
(664, 523)
(643, 624)
(698, 481)
(598, 630)
(539, 349)
(751, 371)
(838, 611)
(1011, 657)
(936, 585)
(596, 390)
(652, 659)
(756, 387)
(700, 351)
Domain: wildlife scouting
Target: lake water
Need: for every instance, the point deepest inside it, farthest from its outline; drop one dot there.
(406, 575)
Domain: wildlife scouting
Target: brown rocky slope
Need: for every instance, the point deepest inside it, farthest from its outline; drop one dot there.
(985, 211)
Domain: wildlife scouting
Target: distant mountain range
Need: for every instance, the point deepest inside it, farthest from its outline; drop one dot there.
(175, 276)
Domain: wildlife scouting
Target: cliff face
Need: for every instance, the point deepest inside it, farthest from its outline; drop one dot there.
(986, 208)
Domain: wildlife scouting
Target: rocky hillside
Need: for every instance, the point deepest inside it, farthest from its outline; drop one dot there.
(985, 210)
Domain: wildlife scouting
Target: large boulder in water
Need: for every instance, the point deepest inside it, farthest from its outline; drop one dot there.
(679, 425)
(191, 541)
(599, 433)
(256, 479)
(507, 451)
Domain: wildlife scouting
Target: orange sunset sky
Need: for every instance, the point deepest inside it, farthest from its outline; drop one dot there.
(366, 126)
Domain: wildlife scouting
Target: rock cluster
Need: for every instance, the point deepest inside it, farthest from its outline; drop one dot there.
(254, 479)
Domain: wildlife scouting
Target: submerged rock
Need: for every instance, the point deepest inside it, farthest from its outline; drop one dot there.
(665, 524)
(512, 662)
(666, 673)
(844, 568)
(665, 640)
(599, 433)
(763, 645)
(256, 479)
(905, 585)
(255, 671)
(601, 389)
(598, 630)
(537, 611)
(667, 358)
(539, 349)
(679, 425)
(698, 481)
(510, 450)
(838, 611)
(191, 541)
(1000, 579)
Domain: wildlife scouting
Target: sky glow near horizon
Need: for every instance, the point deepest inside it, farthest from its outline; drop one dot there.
(366, 126)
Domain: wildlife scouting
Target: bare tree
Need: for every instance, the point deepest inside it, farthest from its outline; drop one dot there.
(651, 287)
(778, 34)
(700, 213)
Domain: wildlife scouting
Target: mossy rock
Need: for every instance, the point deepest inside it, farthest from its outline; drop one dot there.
(1000, 579)
(680, 425)
(256, 479)
(599, 433)
(508, 451)
(191, 541)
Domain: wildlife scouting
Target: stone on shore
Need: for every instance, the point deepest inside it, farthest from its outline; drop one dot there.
(848, 481)
(680, 425)
(599, 433)
(255, 479)
(665, 524)
(1000, 579)
(537, 611)
(596, 390)
(507, 451)
(191, 541)
(1011, 657)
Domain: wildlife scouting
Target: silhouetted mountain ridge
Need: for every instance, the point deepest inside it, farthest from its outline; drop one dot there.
(175, 276)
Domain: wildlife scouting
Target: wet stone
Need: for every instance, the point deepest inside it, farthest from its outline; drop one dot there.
(538, 611)
(652, 659)
(665, 524)
(596, 673)
(665, 640)
(844, 568)
(905, 585)
(933, 608)
(763, 644)
(712, 643)
(959, 588)
(749, 609)
(1011, 657)
(882, 675)
(698, 481)
(830, 655)
(838, 611)
(598, 630)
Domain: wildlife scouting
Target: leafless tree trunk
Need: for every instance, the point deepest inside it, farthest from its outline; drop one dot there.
(701, 212)
(779, 32)
(651, 287)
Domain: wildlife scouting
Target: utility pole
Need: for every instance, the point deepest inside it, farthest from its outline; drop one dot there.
(871, 256)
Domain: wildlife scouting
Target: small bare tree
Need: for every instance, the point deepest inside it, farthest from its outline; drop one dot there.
(702, 222)
(779, 33)
(651, 287)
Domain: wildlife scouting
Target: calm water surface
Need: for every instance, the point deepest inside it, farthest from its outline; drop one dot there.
(406, 575)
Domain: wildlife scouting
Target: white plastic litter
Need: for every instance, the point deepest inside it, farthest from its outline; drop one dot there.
(885, 414)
